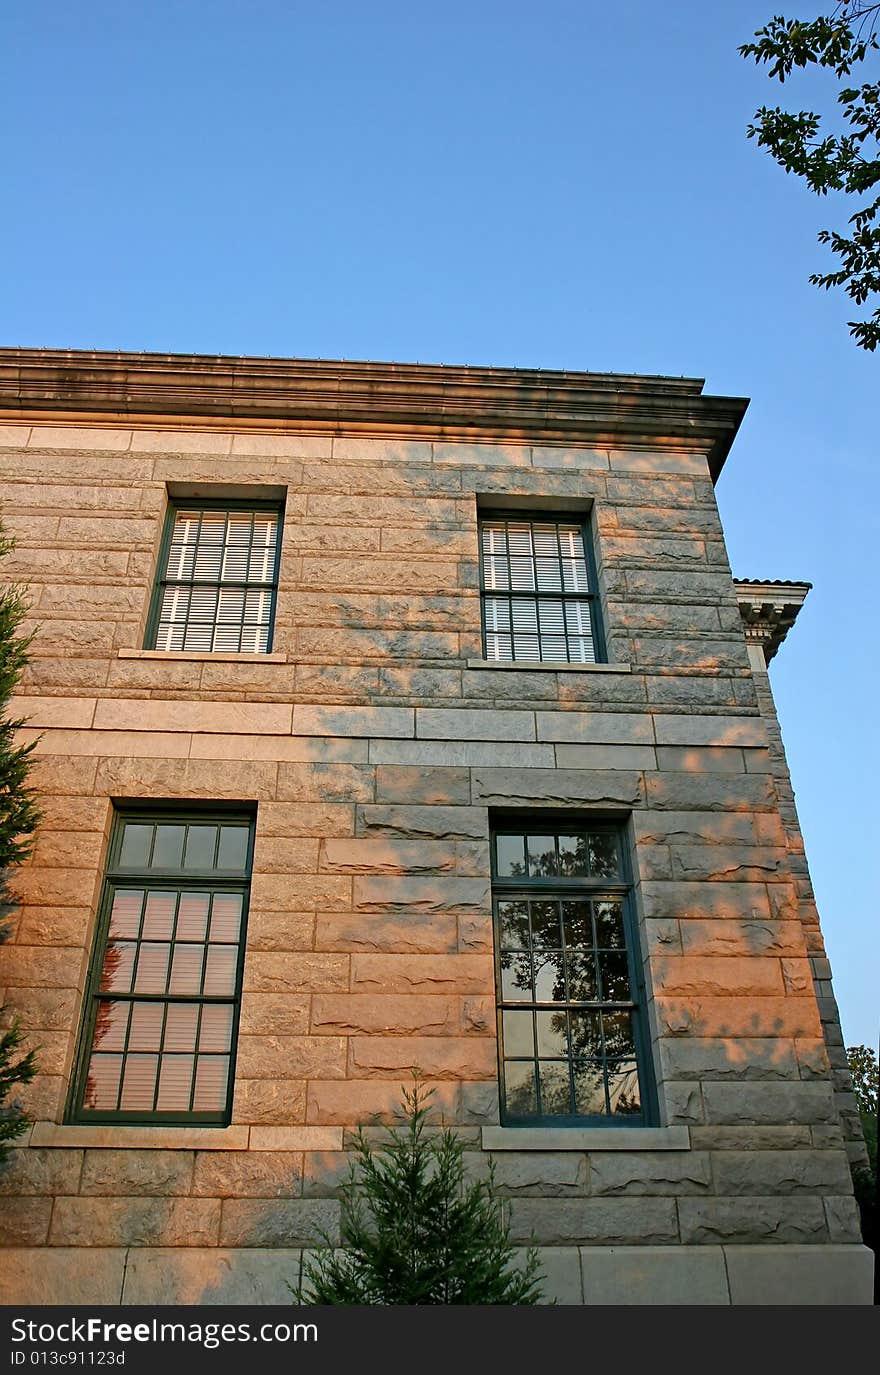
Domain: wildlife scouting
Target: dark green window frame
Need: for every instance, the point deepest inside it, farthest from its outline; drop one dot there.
(557, 613)
(204, 881)
(246, 586)
(601, 1059)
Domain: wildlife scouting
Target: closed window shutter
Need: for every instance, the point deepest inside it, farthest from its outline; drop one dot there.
(217, 587)
(537, 594)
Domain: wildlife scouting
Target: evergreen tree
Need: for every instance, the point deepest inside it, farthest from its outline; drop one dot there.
(19, 816)
(414, 1231)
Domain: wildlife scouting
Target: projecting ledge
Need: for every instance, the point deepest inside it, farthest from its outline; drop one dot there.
(586, 1139)
(523, 666)
(208, 657)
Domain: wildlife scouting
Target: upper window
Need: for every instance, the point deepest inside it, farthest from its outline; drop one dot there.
(218, 578)
(161, 1007)
(570, 1033)
(538, 591)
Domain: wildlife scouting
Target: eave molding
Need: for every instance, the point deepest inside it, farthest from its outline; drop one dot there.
(769, 610)
(400, 400)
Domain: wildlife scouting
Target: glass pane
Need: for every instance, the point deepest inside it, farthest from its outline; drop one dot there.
(573, 856)
(517, 1033)
(516, 978)
(549, 980)
(614, 976)
(186, 969)
(192, 917)
(216, 1027)
(552, 1031)
(117, 967)
(555, 1088)
(102, 1083)
(603, 856)
(181, 1025)
(618, 1033)
(586, 1039)
(220, 970)
(146, 1026)
(201, 846)
(175, 1083)
(233, 848)
(139, 1083)
(589, 1090)
(542, 856)
(152, 969)
(519, 1088)
(576, 925)
(513, 923)
(169, 847)
(211, 1075)
(111, 1024)
(135, 850)
(159, 916)
(125, 914)
(582, 979)
(510, 856)
(609, 925)
(623, 1087)
(226, 917)
(545, 925)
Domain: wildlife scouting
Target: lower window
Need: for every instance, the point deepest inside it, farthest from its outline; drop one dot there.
(161, 1015)
(570, 1034)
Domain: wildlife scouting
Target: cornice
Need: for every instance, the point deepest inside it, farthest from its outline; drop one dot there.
(769, 610)
(399, 399)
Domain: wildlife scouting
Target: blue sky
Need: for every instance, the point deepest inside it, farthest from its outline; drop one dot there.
(496, 183)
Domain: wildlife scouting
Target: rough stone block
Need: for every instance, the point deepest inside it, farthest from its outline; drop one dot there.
(440, 1057)
(758, 1104)
(595, 728)
(424, 822)
(396, 973)
(527, 786)
(47, 1275)
(414, 785)
(462, 723)
(383, 1013)
(651, 1173)
(135, 1222)
(24, 1221)
(747, 1220)
(781, 1172)
(130, 1172)
(248, 1174)
(602, 1220)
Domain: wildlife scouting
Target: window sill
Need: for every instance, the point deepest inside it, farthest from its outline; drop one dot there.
(207, 657)
(523, 666)
(142, 1138)
(586, 1139)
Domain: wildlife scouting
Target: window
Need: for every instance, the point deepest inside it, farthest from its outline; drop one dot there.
(218, 578)
(538, 591)
(162, 1002)
(569, 1026)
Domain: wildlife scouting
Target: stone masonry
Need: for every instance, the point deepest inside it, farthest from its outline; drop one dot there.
(375, 741)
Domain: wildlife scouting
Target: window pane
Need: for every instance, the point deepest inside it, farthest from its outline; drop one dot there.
(555, 1088)
(546, 932)
(211, 1075)
(614, 976)
(623, 1088)
(159, 916)
(146, 1026)
(510, 856)
(226, 917)
(152, 968)
(192, 916)
(542, 856)
(517, 1033)
(552, 1033)
(111, 1024)
(603, 856)
(582, 986)
(102, 1083)
(589, 1089)
(233, 848)
(576, 925)
(168, 849)
(617, 1027)
(216, 1028)
(175, 1083)
(181, 1027)
(609, 925)
(220, 970)
(135, 850)
(573, 856)
(519, 1088)
(513, 920)
(117, 968)
(549, 980)
(139, 1083)
(586, 1037)
(516, 978)
(186, 969)
(201, 846)
(125, 914)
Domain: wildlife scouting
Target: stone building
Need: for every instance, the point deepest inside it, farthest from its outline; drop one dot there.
(407, 715)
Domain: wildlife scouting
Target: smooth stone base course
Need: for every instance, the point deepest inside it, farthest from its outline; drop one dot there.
(601, 1275)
